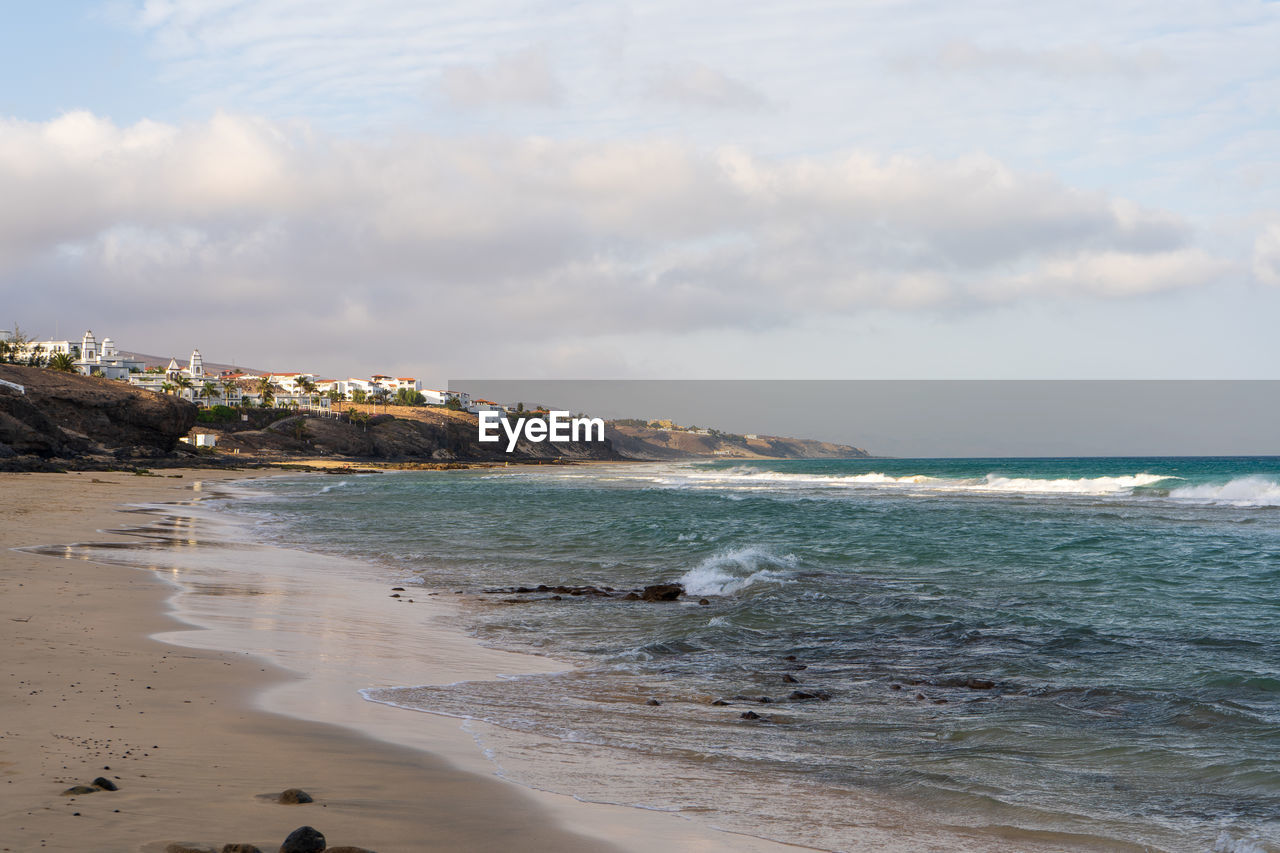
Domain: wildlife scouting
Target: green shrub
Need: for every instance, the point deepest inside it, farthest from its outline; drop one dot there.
(217, 415)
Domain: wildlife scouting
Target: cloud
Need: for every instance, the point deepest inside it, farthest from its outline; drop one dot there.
(1084, 60)
(524, 79)
(1266, 255)
(275, 232)
(697, 85)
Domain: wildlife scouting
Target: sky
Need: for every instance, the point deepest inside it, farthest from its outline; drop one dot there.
(889, 189)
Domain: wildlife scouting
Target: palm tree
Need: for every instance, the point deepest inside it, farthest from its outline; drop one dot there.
(228, 387)
(210, 389)
(267, 389)
(182, 381)
(167, 387)
(380, 395)
(307, 387)
(63, 362)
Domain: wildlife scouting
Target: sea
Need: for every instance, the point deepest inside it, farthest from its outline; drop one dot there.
(1075, 654)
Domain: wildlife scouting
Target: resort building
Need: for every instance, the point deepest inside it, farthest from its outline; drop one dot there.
(439, 398)
(90, 358)
(189, 383)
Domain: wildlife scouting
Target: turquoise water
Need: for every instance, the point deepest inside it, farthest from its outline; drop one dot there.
(1105, 634)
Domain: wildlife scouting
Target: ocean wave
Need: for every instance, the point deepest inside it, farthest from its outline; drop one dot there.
(748, 478)
(729, 572)
(1242, 491)
(1228, 844)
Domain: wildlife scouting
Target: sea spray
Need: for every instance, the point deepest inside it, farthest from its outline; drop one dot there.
(728, 572)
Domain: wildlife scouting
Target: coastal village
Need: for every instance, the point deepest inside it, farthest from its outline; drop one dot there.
(193, 382)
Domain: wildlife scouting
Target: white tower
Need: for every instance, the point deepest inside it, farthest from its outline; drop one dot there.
(89, 348)
(196, 368)
(109, 348)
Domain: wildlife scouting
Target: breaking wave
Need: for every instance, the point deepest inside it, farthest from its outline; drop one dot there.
(754, 479)
(733, 571)
(1242, 491)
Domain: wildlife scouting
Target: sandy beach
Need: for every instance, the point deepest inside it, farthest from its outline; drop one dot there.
(197, 707)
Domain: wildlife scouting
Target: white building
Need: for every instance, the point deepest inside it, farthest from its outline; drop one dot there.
(439, 398)
(90, 358)
(189, 383)
(477, 406)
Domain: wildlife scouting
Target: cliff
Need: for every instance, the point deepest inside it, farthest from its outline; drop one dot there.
(411, 434)
(65, 416)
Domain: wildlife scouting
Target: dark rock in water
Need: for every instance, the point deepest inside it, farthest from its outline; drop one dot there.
(895, 686)
(556, 598)
(704, 601)
(294, 796)
(720, 703)
(919, 697)
(979, 684)
(807, 695)
(241, 847)
(749, 715)
(105, 784)
(397, 589)
(76, 790)
(790, 657)
(662, 592)
(189, 847)
(304, 839)
(789, 679)
(939, 701)
(653, 702)
(395, 595)
(631, 596)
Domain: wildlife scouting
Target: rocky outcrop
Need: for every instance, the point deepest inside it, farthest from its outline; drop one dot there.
(68, 416)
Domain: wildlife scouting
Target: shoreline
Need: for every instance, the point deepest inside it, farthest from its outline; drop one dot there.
(420, 783)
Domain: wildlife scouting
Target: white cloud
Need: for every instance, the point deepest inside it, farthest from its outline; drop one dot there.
(697, 85)
(525, 79)
(1266, 255)
(258, 221)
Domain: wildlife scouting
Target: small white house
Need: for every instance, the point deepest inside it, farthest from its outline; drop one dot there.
(439, 398)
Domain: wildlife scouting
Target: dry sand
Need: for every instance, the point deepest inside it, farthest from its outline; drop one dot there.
(182, 725)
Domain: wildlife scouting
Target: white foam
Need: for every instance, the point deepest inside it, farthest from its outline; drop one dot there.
(747, 478)
(729, 572)
(1121, 485)
(1242, 491)
(1227, 844)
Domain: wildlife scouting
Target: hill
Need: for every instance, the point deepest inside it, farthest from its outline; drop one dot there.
(649, 443)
